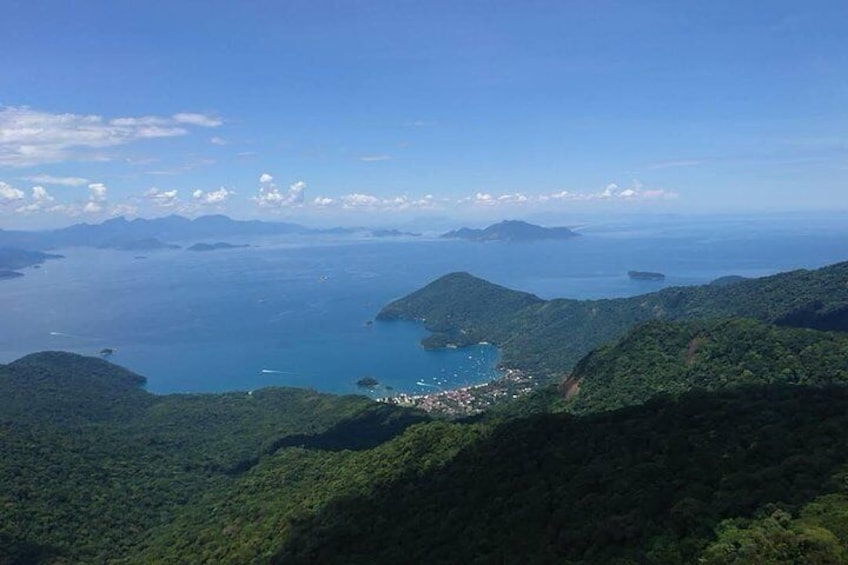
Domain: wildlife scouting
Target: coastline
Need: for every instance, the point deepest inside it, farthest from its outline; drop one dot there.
(469, 400)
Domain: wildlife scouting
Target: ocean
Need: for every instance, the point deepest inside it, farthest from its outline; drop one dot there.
(296, 311)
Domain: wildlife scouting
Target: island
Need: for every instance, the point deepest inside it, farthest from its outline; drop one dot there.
(145, 244)
(510, 230)
(12, 259)
(645, 276)
(214, 246)
(367, 382)
(393, 233)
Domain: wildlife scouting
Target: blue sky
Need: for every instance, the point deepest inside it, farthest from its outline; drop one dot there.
(331, 112)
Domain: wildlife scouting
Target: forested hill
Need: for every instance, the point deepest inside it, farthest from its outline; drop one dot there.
(90, 462)
(549, 337)
(93, 469)
(670, 358)
(666, 483)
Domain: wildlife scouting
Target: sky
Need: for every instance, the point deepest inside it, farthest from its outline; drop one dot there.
(372, 111)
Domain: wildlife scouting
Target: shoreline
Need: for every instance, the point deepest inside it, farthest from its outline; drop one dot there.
(472, 399)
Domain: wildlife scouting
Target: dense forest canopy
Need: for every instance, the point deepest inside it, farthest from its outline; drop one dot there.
(691, 434)
(550, 336)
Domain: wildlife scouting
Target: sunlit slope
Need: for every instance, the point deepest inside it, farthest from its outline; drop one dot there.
(549, 337)
(674, 357)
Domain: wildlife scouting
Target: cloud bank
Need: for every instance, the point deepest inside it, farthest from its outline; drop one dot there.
(270, 196)
(31, 137)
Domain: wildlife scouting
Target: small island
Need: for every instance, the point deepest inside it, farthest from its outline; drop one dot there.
(510, 230)
(393, 233)
(367, 382)
(214, 246)
(145, 244)
(645, 276)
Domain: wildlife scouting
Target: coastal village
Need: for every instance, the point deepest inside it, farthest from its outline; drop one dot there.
(469, 400)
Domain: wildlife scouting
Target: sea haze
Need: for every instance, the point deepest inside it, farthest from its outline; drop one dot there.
(298, 313)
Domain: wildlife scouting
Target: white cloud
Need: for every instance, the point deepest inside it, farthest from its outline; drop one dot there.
(215, 140)
(561, 195)
(359, 200)
(124, 210)
(141, 121)
(195, 119)
(9, 193)
(514, 198)
(92, 207)
(63, 181)
(40, 194)
(97, 192)
(611, 192)
(323, 201)
(40, 200)
(161, 198)
(636, 191)
(32, 137)
(269, 196)
(363, 201)
(483, 198)
(152, 132)
(375, 158)
(213, 196)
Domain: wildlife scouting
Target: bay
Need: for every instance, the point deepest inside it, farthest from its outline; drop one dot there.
(300, 311)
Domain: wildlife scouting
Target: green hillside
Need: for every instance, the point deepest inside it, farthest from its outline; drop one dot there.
(89, 462)
(720, 440)
(550, 337)
(672, 358)
(647, 484)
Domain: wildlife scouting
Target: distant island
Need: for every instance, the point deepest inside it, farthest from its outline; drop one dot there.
(12, 259)
(146, 244)
(214, 246)
(121, 232)
(393, 233)
(645, 276)
(510, 230)
(367, 382)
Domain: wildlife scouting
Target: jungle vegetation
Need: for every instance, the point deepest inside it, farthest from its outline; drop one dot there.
(710, 426)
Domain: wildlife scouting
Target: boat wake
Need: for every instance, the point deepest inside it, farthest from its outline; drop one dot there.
(275, 372)
(72, 336)
(422, 383)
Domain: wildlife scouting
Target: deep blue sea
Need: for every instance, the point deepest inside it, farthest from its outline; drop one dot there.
(296, 312)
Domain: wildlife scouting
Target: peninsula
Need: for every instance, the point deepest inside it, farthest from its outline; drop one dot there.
(13, 259)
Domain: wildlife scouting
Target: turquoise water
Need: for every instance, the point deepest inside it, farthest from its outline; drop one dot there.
(298, 313)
